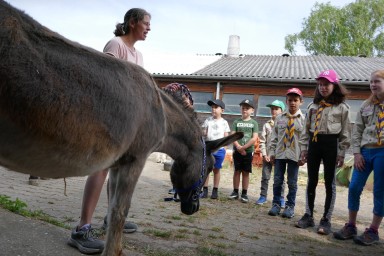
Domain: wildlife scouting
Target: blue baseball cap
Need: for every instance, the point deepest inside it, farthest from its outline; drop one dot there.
(277, 103)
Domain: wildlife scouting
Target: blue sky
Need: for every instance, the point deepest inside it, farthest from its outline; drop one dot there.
(179, 28)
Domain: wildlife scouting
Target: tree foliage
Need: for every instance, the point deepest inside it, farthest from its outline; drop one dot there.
(356, 29)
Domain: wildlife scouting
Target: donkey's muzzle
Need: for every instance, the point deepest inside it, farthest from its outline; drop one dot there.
(190, 204)
(190, 208)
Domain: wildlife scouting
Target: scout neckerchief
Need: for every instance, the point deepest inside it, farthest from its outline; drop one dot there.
(290, 131)
(322, 105)
(379, 121)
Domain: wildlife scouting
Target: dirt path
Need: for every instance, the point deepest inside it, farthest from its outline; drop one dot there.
(221, 227)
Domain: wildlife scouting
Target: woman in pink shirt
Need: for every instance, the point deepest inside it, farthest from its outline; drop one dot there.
(135, 27)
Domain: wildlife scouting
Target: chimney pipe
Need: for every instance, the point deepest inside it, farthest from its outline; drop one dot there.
(233, 46)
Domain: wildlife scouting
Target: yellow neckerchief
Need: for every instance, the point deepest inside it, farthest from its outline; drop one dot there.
(322, 105)
(379, 121)
(290, 131)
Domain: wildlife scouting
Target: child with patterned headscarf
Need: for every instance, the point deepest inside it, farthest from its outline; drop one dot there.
(368, 150)
(325, 138)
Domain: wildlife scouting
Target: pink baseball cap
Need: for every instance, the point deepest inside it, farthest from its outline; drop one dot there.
(294, 91)
(330, 75)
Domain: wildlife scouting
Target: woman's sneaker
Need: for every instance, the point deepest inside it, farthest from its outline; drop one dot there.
(369, 237)
(129, 227)
(324, 227)
(305, 221)
(85, 240)
(275, 210)
(347, 232)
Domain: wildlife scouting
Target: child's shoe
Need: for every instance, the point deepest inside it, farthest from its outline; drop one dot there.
(324, 227)
(214, 194)
(288, 212)
(261, 200)
(369, 237)
(204, 194)
(234, 195)
(244, 198)
(305, 221)
(347, 232)
(275, 210)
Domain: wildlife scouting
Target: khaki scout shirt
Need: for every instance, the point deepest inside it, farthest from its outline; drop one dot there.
(278, 132)
(334, 120)
(265, 137)
(364, 130)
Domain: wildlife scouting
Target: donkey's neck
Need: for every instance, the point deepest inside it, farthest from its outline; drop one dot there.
(184, 134)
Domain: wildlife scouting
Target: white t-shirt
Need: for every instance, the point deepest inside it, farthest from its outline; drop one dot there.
(215, 128)
(118, 49)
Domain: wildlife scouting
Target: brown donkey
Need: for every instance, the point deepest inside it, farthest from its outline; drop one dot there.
(67, 110)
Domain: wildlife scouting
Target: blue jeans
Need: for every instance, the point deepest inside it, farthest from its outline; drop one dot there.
(292, 173)
(265, 177)
(374, 161)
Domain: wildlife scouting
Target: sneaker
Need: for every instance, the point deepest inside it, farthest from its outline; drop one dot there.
(172, 191)
(288, 212)
(85, 241)
(214, 194)
(204, 193)
(369, 237)
(261, 200)
(282, 202)
(244, 198)
(305, 221)
(324, 227)
(275, 210)
(233, 195)
(129, 227)
(347, 232)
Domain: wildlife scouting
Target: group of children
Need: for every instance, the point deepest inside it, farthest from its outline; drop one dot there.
(291, 139)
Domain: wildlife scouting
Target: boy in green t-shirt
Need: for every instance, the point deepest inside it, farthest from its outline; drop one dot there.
(243, 149)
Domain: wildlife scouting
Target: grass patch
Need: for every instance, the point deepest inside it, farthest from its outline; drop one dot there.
(210, 251)
(217, 229)
(158, 233)
(19, 207)
(176, 217)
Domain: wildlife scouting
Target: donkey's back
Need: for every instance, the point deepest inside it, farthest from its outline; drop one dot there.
(65, 109)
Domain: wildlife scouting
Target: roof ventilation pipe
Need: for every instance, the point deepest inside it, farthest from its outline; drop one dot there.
(233, 46)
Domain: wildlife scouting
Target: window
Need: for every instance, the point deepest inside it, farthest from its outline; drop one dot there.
(232, 101)
(200, 100)
(264, 100)
(354, 108)
(262, 109)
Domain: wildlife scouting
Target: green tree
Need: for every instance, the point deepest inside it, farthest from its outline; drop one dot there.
(357, 28)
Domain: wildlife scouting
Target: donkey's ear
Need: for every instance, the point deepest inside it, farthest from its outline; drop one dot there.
(213, 145)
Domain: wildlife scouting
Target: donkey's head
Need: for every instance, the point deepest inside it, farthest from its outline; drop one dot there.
(188, 176)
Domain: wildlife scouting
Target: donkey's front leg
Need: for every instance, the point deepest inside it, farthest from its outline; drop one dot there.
(122, 181)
